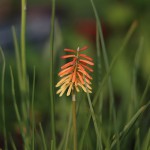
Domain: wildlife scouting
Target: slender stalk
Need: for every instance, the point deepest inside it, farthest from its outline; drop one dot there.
(23, 58)
(52, 145)
(3, 95)
(98, 52)
(146, 143)
(51, 75)
(134, 94)
(43, 138)
(94, 119)
(145, 91)
(14, 97)
(68, 131)
(112, 111)
(26, 146)
(137, 143)
(18, 58)
(74, 121)
(95, 122)
(32, 107)
(62, 140)
(106, 61)
(13, 143)
(99, 71)
(15, 104)
(23, 48)
(24, 87)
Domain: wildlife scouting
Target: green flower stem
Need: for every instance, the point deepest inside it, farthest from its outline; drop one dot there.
(74, 121)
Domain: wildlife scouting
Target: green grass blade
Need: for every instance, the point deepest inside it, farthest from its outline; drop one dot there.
(95, 122)
(32, 108)
(52, 75)
(18, 61)
(133, 104)
(63, 140)
(98, 52)
(106, 61)
(3, 98)
(112, 112)
(13, 143)
(94, 118)
(14, 97)
(23, 47)
(130, 124)
(99, 72)
(146, 143)
(137, 143)
(52, 146)
(84, 132)
(24, 79)
(68, 130)
(43, 138)
(136, 65)
(15, 104)
(145, 91)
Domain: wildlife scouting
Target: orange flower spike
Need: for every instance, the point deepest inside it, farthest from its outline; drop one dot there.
(65, 71)
(85, 56)
(74, 76)
(73, 72)
(87, 81)
(88, 68)
(83, 48)
(81, 78)
(62, 80)
(86, 74)
(69, 50)
(87, 62)
(67, 56)
(69, 64)
(83, 71)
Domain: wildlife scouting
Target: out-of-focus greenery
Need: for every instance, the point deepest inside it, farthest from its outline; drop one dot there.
(117, 16)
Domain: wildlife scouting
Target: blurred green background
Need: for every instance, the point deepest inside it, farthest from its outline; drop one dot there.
(75, 26)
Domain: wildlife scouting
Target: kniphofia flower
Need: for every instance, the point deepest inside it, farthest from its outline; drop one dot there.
(75, 74)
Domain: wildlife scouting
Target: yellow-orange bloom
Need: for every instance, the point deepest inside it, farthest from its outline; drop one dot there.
(74, 74)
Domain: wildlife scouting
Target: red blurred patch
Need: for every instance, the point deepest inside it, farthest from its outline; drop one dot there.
(87, 28)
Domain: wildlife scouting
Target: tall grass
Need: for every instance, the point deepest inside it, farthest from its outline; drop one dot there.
(95, 129)
(15, 104)
(3, 97)
(52, 106)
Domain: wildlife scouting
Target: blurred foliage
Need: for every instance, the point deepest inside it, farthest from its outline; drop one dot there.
(116, 19)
